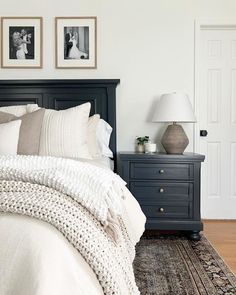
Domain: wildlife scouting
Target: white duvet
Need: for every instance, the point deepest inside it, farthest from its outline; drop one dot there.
(36, 259)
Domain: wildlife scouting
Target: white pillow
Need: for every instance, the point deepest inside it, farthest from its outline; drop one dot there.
(9, 136)
(103, 134)
(19, 110)
(30, 108)
(92, 137)
(64, 133)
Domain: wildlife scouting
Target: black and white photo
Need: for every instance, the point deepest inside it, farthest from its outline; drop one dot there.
(76, 42)
(21, 42)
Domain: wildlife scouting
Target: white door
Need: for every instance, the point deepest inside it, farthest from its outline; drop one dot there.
(216, 111)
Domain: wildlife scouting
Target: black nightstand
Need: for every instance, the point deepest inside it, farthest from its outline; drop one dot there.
(167, 188)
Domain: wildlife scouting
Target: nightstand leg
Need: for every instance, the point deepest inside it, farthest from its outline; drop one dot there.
(194, 235)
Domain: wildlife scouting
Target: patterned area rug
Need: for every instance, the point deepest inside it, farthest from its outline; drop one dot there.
(176, 266)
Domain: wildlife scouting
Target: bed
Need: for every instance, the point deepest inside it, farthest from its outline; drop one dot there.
(38, 255)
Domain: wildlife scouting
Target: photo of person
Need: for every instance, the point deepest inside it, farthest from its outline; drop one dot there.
(21, 42)
(76, 42)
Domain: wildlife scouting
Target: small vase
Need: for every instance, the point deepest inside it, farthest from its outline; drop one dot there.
(140, 148)
(150, 147)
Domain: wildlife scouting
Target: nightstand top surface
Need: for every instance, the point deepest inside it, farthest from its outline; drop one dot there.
(185, 156)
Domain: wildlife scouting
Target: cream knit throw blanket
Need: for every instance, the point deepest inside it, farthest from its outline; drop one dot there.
(81, 200)
(98, 190)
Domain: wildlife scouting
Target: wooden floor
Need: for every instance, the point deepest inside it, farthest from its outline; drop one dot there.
(222, 235)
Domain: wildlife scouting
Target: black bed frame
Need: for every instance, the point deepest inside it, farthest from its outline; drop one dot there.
(62, 94)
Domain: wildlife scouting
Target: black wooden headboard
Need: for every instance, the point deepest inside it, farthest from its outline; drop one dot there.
(63, 94)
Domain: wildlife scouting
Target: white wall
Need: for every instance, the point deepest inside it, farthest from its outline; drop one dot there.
(149, 45)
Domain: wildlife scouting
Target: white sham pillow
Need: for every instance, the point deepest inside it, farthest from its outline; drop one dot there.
(103, 134)
(64, 133)
(30, 108)
(99, 133)
(92, 136)
(19, 110)
(9, 137)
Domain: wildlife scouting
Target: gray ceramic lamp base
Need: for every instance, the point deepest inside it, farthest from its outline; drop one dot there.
(174, 139)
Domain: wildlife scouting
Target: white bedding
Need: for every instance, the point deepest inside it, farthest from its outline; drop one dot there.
(36, 259)
(105, 162)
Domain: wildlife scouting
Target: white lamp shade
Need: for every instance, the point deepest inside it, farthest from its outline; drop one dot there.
(174, 107)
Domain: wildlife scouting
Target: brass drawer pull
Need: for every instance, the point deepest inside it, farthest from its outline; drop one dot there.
(161, 210)
(161, 190)
(161, 171)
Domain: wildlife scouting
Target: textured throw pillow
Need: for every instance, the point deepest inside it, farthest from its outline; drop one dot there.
(9, 136)
(29, 131)
(64, 133)
(92, 136)
(19, 110)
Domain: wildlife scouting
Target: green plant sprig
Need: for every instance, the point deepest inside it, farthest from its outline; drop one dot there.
(142, 139)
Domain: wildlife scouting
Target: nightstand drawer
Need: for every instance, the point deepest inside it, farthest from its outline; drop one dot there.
(163, 210)
(147, 192)
(160, 171)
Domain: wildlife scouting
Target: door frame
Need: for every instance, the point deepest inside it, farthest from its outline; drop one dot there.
(204, 24)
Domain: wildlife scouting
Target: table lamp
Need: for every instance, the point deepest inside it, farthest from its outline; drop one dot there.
(174, 107)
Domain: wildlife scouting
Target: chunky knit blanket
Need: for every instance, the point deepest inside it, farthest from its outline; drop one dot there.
(81, 200)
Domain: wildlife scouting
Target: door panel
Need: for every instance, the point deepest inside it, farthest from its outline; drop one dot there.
(217, 114)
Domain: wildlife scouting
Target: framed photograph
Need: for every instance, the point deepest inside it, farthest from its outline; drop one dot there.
(21, 42)
(76, 42)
